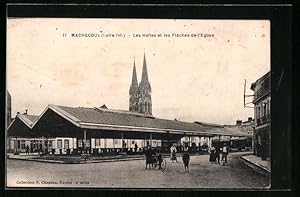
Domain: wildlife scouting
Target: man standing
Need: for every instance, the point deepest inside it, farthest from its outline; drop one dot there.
(148, 154)
(218, 153)
(186, 160)
(27, 150)
(224, 154)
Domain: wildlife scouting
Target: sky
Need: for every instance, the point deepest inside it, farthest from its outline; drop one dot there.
(193, 78)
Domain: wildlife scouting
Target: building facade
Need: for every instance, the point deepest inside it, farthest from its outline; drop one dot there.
(262, 116)
(140, 94)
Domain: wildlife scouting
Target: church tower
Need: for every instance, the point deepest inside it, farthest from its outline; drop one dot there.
(134, 92)
(145, 102)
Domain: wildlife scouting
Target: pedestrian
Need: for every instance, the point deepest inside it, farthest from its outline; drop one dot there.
(148, 154)
(135, 147)
(212, 154)
(124, 144)
(27, 150)
(224, 154)
(218, 151)
(159, 158)
(173, 153)
(153, 156)
(186, 160)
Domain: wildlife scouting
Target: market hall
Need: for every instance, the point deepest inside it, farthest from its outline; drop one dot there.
(103, 131)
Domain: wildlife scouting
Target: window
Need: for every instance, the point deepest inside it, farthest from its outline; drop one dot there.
(59, 143)
(80, 145)
(258, 112)
(66, 144)
(117, 141)
(105, 143)
(97, 142)
(87, 143)
(22, 144)
(265, 109)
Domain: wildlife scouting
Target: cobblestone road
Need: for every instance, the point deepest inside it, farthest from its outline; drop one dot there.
(133, 174)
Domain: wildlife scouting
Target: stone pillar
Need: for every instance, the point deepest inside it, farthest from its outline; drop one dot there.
(16, 145)
(84, 140)
(122, 138)
(43, 144)
(209, 142)
(150, 139)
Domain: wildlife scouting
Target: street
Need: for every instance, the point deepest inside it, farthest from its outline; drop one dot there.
(132, 174)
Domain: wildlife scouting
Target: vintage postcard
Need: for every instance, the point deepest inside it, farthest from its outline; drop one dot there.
(138, 103)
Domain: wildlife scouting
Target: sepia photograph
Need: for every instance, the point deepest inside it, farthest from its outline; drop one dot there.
(138, 103)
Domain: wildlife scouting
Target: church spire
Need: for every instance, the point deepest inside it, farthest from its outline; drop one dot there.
(134, 81)
(145, 72)
(145, 102)
(134, 91)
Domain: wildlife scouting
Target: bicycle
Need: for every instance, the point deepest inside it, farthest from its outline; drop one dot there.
(163, 164)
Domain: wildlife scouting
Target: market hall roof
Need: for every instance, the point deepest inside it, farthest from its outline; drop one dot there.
(102, 118)
(107, 119)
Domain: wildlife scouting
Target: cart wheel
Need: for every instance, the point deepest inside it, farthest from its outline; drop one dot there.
(163, 165)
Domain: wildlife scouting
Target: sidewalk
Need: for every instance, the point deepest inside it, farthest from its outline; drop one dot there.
(257, 163)
(75, 159)
(83, 159)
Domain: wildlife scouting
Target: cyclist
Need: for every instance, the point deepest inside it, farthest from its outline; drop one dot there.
(159, 158)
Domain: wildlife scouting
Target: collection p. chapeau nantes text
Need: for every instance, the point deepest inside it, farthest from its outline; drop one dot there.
(139, 35)
(43, 182)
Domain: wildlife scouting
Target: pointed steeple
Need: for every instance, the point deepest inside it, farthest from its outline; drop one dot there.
(134, 91)
(145, 72)
(145, 102)
(134, 81)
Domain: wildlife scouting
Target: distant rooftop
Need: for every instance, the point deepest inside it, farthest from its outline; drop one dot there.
(29, 120)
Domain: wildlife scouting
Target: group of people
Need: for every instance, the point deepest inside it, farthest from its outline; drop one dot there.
(153, 156)
(216, 151)
(214, 156)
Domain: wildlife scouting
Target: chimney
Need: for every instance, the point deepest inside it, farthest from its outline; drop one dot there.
(18, 113)
(249, 119)
(238, 122)
(26, 110)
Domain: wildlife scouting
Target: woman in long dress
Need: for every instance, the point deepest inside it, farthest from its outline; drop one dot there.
(212, 155)
(173, 153)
